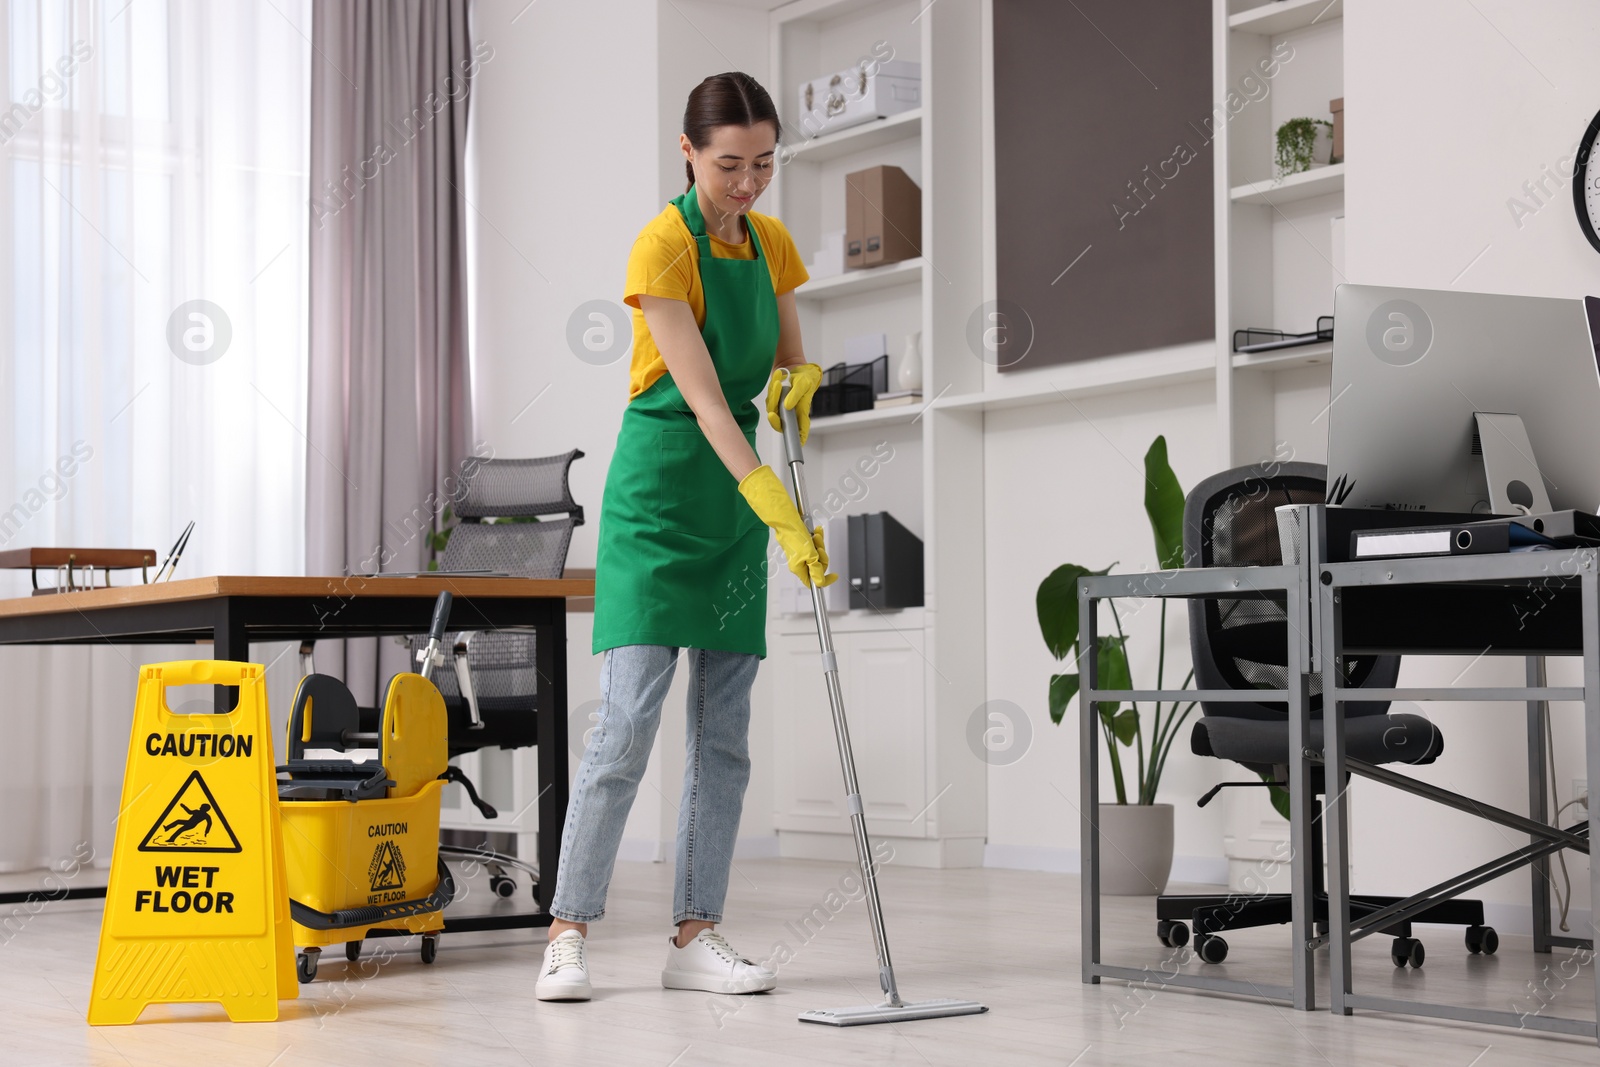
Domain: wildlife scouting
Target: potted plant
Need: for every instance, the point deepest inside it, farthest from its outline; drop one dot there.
(1136, 838)
(1302, 144)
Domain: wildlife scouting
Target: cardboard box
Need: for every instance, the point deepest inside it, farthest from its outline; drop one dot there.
(868, 91)
(1337, 107)
(890, 204)
(855, 219)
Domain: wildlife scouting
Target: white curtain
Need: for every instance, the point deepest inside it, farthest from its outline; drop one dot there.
(153, 224)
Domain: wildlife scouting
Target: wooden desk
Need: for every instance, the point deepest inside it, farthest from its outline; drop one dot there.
(232, 611)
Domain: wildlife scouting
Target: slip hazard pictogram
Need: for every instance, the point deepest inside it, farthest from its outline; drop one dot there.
(192, 821)
(388, 867)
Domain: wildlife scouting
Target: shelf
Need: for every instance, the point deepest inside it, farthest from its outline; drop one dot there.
(1316, 355)
(875, 134)
(1286, 15)
(856, 420)
(1115, 374)
(851, 282)
(1318, 181)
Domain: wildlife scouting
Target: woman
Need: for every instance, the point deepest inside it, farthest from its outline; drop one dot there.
(682, 559)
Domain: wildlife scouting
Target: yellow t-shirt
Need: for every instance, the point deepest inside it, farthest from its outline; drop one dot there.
(666, 262)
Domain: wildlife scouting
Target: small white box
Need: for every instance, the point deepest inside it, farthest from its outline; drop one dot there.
(829, 258)
(867, 91)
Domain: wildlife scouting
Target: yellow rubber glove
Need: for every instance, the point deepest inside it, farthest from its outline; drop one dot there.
(804, 380)
(803, 548)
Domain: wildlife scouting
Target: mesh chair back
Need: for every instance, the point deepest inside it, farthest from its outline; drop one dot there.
(515, 489)
(502, 661)
(1229, 521)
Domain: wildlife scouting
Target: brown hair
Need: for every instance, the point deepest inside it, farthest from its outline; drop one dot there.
(730, 99)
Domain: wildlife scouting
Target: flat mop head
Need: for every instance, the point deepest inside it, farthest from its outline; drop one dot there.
(892, 1013)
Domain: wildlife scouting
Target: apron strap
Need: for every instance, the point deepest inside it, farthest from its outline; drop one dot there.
(688, 206)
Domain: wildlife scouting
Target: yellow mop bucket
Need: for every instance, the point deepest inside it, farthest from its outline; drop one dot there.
(361, 839)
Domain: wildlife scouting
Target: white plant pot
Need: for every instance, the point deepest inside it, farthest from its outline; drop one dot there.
(1135, 849)
(1322, 147)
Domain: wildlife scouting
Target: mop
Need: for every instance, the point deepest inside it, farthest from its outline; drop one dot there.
(893, 1009)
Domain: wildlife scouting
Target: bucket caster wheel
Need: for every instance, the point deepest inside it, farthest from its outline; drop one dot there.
(1172, 933)
(1210, 948)
(352, 950)
(1407, 950)
(1482, 939)
(430, 947)
(502, 886)
(305, 965)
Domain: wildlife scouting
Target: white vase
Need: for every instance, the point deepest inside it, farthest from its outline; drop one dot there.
(1135, 849)
(1322, 147)
(908, 375)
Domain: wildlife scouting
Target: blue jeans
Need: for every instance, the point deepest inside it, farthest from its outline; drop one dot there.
(633, 685)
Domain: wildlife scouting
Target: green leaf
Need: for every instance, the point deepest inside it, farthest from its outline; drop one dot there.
(1163, 502)
(1280, 797)
(1063, 687)
(446, 516)
(1057, 606)
(1125, 725)
(1113, 672)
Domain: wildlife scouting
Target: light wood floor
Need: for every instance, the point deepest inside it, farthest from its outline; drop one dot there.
(1007, 938)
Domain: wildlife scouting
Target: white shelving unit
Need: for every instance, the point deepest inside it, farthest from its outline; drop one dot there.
(905, 126)
(1276, 266)
(860, 420)
(1276, 252)
(1285, 16)
(1318, 181)
(853, 282)
(912, 679)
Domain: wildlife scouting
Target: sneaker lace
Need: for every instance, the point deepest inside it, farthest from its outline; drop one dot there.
(566, 952)
(719, 944)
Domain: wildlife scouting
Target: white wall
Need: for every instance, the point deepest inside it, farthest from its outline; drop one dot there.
(574, 124)
(1064, 483)
(1450, 111)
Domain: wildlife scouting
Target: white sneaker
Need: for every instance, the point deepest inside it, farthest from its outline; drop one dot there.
(566, 969)
(709, 964)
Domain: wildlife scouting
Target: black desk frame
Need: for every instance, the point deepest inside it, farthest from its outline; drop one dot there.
(231, 623)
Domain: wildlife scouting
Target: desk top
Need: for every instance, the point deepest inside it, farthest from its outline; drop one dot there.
(297, 588)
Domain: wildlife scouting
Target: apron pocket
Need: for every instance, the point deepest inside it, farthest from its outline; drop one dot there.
(698, 495)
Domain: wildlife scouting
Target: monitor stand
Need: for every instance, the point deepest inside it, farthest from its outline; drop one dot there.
(1515, 485)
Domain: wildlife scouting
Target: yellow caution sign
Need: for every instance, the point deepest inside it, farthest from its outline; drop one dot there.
(197, 908)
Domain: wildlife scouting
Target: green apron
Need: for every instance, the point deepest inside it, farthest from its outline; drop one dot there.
(682, 559)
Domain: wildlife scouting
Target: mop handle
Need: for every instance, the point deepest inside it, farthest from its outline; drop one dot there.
(797, 462)
(841, 727)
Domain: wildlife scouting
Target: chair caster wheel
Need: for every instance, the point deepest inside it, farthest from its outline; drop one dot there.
(1482, 939)
(1172, 933)
(430, 947)
(1407, 950)
(305, 965)
(352, 950)
(501, 886)
(1210, 948)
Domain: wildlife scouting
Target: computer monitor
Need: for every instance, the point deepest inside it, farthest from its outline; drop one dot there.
(1412, 370)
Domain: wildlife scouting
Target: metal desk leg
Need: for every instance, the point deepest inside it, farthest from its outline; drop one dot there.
(1335, 810)
(1302, 856)
(1591, 721)
(550, 659)
(1089, 788)
(1538, 803)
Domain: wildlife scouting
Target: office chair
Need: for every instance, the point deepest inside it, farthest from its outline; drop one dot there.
(1229, 521)
(491, 691)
